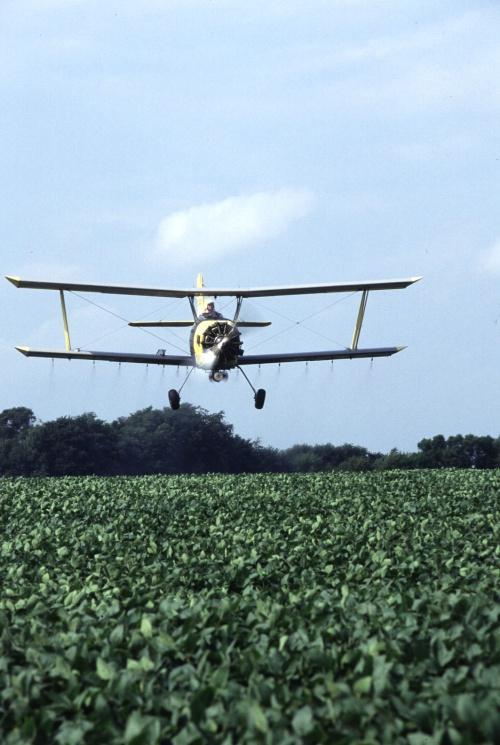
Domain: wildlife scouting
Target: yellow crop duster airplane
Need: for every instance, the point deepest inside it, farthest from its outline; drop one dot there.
(215, 341)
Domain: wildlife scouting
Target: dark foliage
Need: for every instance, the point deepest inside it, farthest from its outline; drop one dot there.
(186, 441)
(151, 441)
(155, 441)
(326, 457)
(74, 446)
(460, 451)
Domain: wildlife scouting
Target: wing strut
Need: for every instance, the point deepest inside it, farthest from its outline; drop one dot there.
(239, 301)
(193, 308)
(67, 340)
(359, 320)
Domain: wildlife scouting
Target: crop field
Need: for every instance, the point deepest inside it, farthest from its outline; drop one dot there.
(322, 608)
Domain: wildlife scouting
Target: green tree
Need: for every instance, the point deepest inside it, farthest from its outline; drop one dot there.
(189, 440)
(14, 421)
(15, 453)
(327, 457)
(459, 451)
(73, 446)
(397, 459)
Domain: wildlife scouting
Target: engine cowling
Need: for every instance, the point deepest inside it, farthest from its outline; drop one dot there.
(224, 339)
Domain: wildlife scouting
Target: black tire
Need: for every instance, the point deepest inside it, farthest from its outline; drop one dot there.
(260, 397)
(174, 399)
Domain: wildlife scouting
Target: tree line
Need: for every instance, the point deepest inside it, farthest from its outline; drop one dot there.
(190, 440)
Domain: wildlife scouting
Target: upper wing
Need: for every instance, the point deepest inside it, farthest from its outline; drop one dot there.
(175, 324)
(384, 284)
(336, 354)
(161, 324)
(82, 354)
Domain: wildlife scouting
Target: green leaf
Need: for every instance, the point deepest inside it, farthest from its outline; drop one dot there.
(146, 663)
(363, 685)
(200, 702)
(62, 669)
(257, 718)
(344, 592)
(419, 738)
(116, 635)
(144, 730)
(136, 724)
(302, 721)
(73, 733)
(104, 670)
(146, 627)
(467, 708)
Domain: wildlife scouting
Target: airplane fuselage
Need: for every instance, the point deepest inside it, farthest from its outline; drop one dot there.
(215, 344)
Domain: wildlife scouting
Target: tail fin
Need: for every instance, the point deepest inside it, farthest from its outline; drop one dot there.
(200, 300)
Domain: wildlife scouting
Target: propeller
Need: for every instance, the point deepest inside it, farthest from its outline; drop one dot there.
(227, 338)
(220, 335)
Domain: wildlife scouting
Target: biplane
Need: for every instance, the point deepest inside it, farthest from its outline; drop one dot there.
(215, 341)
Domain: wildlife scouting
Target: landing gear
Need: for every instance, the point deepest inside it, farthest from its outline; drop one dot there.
(260, 397)
(174, 399)
(217, 375)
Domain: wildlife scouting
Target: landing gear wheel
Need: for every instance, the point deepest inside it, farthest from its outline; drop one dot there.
(174, 399)
(260, 397)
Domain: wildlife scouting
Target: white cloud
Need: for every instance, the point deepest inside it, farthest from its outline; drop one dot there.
(490, 261)
(208, 231)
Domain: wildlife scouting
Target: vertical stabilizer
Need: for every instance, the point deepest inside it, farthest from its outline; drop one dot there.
(200, 300)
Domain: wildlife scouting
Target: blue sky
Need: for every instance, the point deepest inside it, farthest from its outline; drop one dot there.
(260, 143)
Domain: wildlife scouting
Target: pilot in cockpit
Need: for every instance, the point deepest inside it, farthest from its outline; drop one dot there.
(209, 313)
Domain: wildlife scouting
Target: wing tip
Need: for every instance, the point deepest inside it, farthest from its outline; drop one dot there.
(416, 279)
(12, 278)
(24, 350)
(400, 349)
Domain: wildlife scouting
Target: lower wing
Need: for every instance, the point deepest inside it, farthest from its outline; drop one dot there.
(160, 358)
(338, 354)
